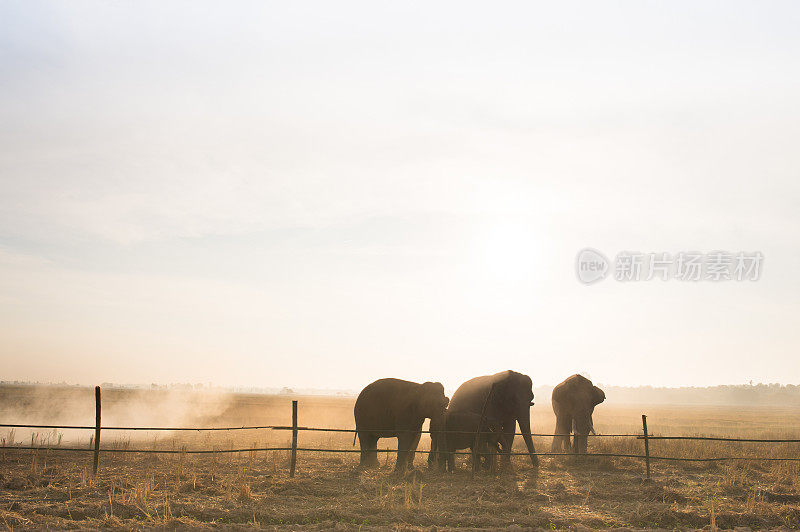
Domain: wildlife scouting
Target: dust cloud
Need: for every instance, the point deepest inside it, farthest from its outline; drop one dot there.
(127, 407)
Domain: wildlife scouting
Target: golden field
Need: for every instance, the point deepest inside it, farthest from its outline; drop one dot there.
(252, 489)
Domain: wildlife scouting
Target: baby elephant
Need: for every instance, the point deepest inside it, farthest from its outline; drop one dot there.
(453, 431)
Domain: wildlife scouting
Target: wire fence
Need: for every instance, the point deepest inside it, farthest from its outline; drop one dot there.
(280, 427)
(295, 429)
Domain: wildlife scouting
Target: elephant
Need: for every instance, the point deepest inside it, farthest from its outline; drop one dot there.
(573, 403)
(507, 397)
(453, 431)
(394, 408)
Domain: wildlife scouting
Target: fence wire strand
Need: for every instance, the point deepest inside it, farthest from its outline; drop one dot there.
(351, 431)
(278, 427)
(420, 451)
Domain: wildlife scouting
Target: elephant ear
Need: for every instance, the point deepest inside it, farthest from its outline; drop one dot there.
(599, 395)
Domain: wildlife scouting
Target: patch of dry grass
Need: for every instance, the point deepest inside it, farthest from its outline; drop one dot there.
(252, 489)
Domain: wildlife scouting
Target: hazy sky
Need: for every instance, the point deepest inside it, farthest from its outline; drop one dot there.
(322, 194)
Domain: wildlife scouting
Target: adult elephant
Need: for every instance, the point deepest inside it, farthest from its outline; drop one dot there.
(394, 408)
(573, 403)
(508, 397)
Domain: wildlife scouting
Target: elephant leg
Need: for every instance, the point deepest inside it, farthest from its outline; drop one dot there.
(492, 457)
(582, 424)
(575, 437)
(507, 440)
(486, 456)
(404, 440)
(483, 451)
(556, 445)
(433, 453)
(369, 450)
(479, 454)
(581, 444)
(412, 449)
(451, 460)
(444, 455)
(474, 456)
(561, 437)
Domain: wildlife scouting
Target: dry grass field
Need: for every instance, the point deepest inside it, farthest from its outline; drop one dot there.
(55, 489)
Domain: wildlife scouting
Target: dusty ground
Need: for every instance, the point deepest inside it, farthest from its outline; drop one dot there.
(252, 489)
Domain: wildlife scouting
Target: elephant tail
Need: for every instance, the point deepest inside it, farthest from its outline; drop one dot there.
(355, 435)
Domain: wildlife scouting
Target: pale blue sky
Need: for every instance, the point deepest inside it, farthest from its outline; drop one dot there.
(321, 194)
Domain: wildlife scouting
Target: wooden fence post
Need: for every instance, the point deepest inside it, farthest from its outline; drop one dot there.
(646, 446)
(294, 439)
(96, 464)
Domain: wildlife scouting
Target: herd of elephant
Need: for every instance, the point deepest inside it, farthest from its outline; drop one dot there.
(490, 406)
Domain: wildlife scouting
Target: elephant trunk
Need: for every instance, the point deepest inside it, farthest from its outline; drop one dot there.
(525, 426)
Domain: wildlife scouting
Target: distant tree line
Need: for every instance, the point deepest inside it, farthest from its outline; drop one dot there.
(737, 394)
